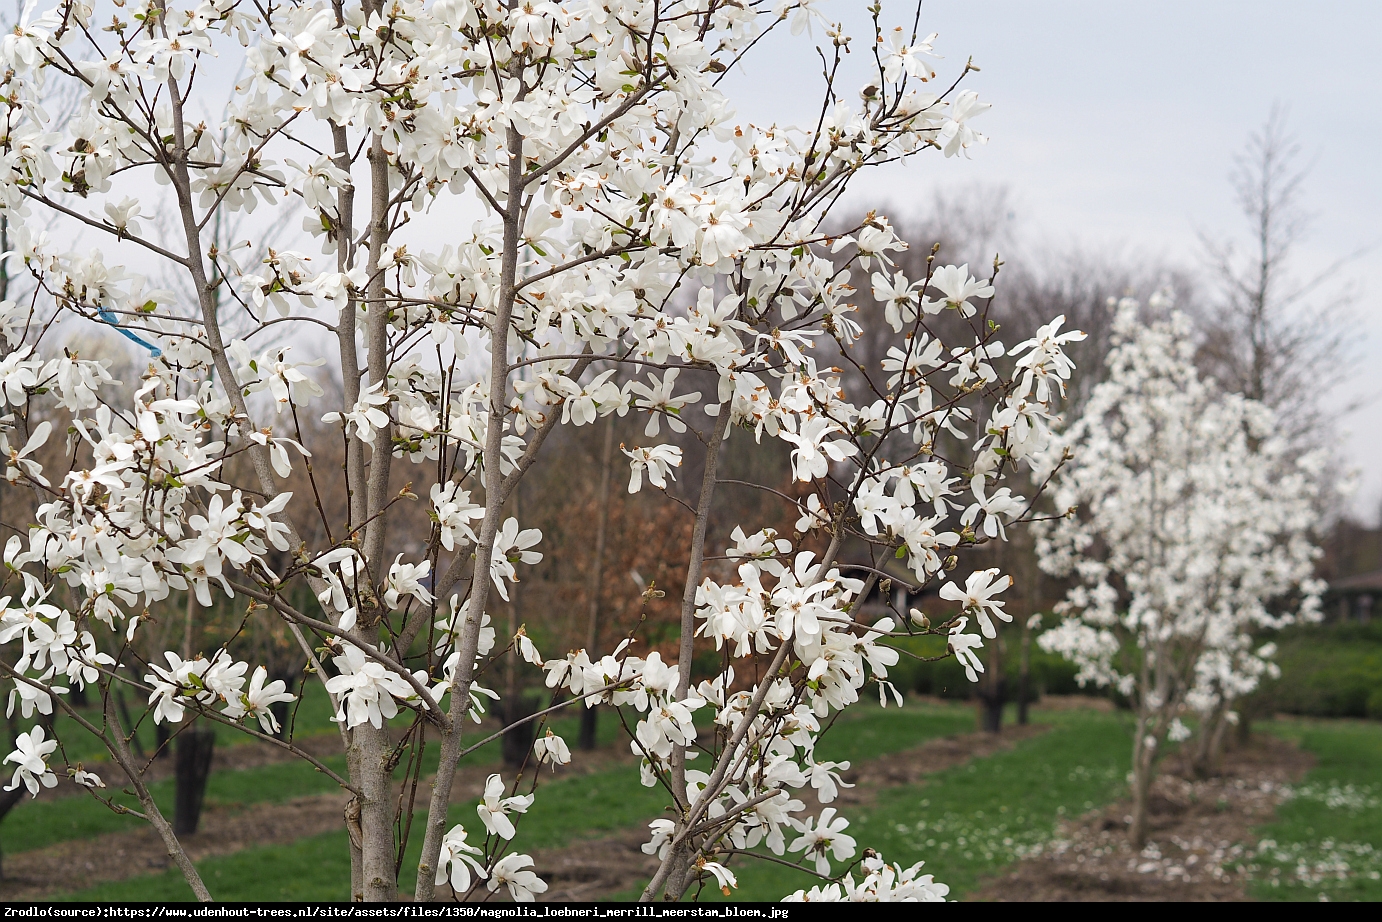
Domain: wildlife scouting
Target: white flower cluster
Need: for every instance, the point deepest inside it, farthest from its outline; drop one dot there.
(510, 871)
(882, 883)
(633, 239)
(1193, 528)
(219, 680)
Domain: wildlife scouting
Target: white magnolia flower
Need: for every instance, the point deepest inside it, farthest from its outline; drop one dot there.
(257, 703)
(368, 414)
(899, 297)
(510, 547)
(406, 579)
(959, 287)
(511, 871)
(724, 877)
(88, 779)
(825, 837)
(551, 748)
(20, 463)
(664, 831)
(454, 512)
(458, 855)
(814, 451)
(963, 646)
(493, 809)
(207, 682)
(527, 649)
(121, 215)
(657, 399)
(658, 461)
(909, 59)
(30, 756)
(882, 883)
(977, 597)
(368, 690)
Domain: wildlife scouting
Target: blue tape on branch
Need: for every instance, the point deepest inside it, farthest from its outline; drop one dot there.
(110, 318)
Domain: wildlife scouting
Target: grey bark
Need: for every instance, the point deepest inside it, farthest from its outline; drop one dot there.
(489, 526)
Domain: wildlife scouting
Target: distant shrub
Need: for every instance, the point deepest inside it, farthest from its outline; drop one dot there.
(1051, 674)
(1333, 670)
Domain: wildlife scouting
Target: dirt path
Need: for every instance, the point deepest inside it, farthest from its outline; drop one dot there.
(598, 869)
(1196, 826)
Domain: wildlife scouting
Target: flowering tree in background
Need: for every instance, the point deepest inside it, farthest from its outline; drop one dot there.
(623, 220)
(1190, 525)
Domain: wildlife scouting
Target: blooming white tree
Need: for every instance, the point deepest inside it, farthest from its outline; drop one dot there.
(620, 223)
(1189, 525)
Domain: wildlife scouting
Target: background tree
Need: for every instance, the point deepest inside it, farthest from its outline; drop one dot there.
(1272, 336)
(1189, 522)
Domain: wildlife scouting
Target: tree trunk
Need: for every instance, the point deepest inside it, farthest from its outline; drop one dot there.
(993, 705)
(589, 716)
(516, 740)
(1143, 762)
(1244, 727)
(1209, 744)
(283, 710)
(589, 728)
(1216, 744)
(8, 800)
(195, 747)
(1024, 673)
(994, 689)
(380, 869)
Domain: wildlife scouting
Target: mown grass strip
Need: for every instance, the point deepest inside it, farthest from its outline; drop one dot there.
(566, 810)
(970, 821)
(1327, 839)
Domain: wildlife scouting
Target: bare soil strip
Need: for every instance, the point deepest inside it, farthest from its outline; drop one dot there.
(1196, 826)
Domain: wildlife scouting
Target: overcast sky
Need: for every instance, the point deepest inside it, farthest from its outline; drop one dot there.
(1115, 125)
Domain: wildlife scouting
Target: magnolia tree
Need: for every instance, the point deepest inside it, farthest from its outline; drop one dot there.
(1188, 526)
(627, 230)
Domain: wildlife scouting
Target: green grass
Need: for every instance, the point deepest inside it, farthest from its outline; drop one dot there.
(565, 810)
(1327, 839)
(43, 823)
(867, 731)
(969, 822)
(38, 824)
(318, 867)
